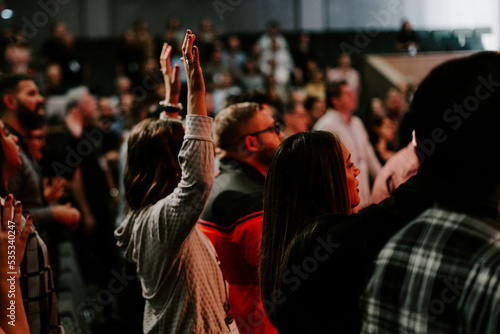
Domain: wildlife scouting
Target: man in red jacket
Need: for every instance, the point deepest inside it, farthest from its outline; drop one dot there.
(246, 136)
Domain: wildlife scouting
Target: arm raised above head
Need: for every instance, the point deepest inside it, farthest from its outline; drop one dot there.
(194, 75)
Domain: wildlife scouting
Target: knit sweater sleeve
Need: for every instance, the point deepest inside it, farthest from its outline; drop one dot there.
(167, 224)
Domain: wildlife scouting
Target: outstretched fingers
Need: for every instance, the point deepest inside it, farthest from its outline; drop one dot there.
(187, 47)
(166, 52)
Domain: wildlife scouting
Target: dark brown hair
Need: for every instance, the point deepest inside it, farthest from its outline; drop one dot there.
(152, 170)
(305, 181)
(334, 90)
(9, 83)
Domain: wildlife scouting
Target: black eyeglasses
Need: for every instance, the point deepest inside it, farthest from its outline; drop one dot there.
(276, 128)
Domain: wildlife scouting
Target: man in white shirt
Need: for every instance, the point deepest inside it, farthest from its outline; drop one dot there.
(344, 71)
(340, 119)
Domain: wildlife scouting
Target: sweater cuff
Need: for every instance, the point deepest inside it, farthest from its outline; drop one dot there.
(198, 127)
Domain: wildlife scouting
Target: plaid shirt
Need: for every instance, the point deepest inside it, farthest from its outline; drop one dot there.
(440, 274)
(37, 287)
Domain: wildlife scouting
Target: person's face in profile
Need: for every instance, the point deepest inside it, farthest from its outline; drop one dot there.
(352, 172)
(10, 150)
(268, 140)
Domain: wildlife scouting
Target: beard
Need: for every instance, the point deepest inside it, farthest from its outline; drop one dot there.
(30, 119)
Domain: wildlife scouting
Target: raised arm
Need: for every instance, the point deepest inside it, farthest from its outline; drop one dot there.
(181, 209)
(196, 84)
(172, 83)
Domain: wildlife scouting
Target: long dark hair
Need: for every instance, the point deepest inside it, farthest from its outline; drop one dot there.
(152, 170)
(306, 179)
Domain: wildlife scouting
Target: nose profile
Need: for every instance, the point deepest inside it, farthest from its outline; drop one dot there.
(356, 171)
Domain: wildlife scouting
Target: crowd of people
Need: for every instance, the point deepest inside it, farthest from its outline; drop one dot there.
(241, 190)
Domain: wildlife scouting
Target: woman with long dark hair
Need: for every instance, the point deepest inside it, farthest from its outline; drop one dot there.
(310, 177)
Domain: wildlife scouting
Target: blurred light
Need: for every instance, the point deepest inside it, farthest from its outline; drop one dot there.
(7, 14)
(490, 42)
(74, 66)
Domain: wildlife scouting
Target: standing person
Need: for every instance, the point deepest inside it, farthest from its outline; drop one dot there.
(407, 39)
(36, 279)
(303, 53)
(310, 177)
(21, 110)
(234, 58)
(245, 136)
(344, 71)
(381, 133)
(59, 48)
(18, 53)
(77, 156)
(272, 33)
(340, 119)
(396, 109)
(184, 288)
(439, 274)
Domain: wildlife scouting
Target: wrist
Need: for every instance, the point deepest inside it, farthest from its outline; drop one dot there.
(170, 107)
(173, 100)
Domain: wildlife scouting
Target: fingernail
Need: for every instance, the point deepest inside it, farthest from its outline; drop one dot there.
(30, 217)
(18, 204)
(8, 198)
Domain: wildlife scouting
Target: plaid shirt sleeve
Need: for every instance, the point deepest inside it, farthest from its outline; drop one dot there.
(440, 274)
(37, 287)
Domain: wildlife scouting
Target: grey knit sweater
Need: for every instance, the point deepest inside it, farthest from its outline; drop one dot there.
(177, 265)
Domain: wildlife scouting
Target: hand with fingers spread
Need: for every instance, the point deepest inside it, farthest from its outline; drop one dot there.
(194, 75)
(11, 234)
(171, 78)
(12, 247)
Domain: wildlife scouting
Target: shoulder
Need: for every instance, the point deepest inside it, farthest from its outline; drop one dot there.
(357, 121)
(328, 121)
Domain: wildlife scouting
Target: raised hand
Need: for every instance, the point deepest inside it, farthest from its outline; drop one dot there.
(12, 238)
(194, 75)
(12, 248)
(171, 78)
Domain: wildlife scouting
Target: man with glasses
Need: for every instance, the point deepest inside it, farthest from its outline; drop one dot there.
(246, 137)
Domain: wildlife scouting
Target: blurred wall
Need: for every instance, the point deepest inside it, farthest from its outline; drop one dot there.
(105, 18)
